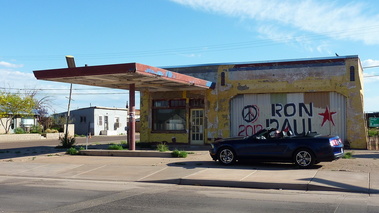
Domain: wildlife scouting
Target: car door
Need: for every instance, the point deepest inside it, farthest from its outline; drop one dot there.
(264, 148)
(279, 148)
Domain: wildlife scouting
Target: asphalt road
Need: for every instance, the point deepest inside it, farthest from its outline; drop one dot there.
(28, 193)
(24, 194)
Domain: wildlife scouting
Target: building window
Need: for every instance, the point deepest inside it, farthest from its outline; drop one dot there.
(352, 73)
(223, 79)
(100, 121)
(116, 123)
(169, 115)
(83, 119)
(196, 103)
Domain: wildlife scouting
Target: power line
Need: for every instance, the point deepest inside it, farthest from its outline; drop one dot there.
(87, 93)
(55, 89)
(370, 66)
(213, 47)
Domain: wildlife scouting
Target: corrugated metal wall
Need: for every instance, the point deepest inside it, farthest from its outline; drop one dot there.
(323, 112)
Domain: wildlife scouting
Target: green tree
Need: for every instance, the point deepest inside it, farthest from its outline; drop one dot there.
(13, 105)
(58, 122)
(41, 107)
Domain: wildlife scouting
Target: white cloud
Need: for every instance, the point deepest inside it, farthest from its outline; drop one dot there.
(347, 21)
(371, 80)
(371, 71)
(16, 78)
(370, 63)
(10, 65)
(293, 38)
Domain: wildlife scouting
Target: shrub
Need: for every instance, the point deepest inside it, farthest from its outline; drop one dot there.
(348, 155)
(36, 129)
(179, 154)
(115, 147)
(373, 132)
(162, 147)
(67, 142)
(124, 144)
(72, 151)
(51, 131)
(19, 131)
(59, 129)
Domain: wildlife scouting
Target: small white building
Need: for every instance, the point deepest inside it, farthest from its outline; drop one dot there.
(99, 120)
(19, 122)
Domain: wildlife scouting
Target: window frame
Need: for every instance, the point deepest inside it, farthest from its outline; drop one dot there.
(178, 103)
(100, 121)
(352, 73)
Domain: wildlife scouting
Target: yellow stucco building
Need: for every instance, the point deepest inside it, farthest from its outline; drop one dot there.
(323, 95)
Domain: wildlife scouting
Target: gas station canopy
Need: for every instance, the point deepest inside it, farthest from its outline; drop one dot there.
(120, 76)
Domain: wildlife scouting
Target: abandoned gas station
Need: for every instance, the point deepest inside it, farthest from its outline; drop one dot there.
(200, 103)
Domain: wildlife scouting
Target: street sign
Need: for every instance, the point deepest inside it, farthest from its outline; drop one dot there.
(373, 122)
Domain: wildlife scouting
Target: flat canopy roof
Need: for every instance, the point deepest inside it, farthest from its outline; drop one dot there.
(120, 76)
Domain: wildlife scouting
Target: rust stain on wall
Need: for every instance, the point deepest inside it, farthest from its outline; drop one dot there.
(242, 87)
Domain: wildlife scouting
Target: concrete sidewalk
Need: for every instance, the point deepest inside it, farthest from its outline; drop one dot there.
(197, 169)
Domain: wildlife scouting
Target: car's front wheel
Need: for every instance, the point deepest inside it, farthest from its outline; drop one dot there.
(304, 158)
(226, 156)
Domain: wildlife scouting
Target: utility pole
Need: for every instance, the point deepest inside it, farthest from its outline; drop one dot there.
(71, 64)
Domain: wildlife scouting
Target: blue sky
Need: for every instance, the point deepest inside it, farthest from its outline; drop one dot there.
(36, 35)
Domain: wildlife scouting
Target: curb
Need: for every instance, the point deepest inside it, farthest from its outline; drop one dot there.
(126, 153)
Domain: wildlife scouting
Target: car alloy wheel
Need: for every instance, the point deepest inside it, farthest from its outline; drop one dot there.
(226, 156)
(304, 159)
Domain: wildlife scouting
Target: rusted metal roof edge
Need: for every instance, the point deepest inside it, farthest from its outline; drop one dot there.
(86, 70)
(268, 62)
(141, 69)
(173, 76)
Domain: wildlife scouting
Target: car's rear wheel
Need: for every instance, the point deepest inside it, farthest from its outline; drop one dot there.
(226, 156)
(304, 158)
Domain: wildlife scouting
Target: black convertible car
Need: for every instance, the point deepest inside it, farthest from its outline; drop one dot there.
(271, 145)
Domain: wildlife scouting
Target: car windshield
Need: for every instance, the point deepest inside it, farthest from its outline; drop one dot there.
(260, 133)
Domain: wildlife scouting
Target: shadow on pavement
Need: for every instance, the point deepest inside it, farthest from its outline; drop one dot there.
(362, 153)
(13, 153)
(368, 156)
(239, 165)
(308, 185)
(29, 151)
(338, 186)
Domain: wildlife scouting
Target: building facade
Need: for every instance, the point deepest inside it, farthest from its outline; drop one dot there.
(323, 95)
(25, 123)
(98, 120)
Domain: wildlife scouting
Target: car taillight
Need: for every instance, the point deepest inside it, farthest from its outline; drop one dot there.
(335, 142)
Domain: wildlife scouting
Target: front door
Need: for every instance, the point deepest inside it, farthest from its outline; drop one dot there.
(106, 123)
(197, 127)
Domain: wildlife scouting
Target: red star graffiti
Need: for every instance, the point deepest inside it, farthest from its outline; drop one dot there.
(327, 116)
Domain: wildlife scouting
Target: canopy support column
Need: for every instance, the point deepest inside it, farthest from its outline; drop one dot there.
(132, 120)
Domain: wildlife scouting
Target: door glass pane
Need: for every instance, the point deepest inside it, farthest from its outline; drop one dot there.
(197, 128)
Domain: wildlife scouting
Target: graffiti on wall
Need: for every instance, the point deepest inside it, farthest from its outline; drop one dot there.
(296, 117)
